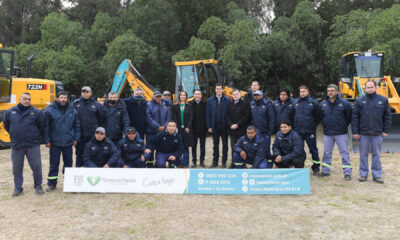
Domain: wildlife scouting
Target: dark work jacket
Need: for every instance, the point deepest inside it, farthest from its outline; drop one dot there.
(289, 146)
(263, 116)
(306, 115)
(175, 112)
(157, 115)
(90, 115)
(255, 148)
(371, 115)
(137, 113)
(98, 154)
(62, 127)
(131, 150)
(199, 116)
(335, 116)
(283, 111)
(164, 142)
(211, 111)
(238, 114)
(25, 127)
(115, 120)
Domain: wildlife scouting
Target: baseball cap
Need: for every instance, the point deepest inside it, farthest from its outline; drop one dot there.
(131, 129)
(157, 93)
(86, 88)
(258, 92)
(101, 129)
(166, 93)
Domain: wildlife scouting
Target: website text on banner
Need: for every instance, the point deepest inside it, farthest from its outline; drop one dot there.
(188, 181)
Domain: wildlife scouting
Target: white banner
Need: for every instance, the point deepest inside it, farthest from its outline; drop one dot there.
(126, 180)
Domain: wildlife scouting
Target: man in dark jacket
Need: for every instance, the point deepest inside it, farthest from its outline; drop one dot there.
(371, 122)
(136, 106)
(168, 146)
(101, 152)
(115, 117)
(336, 117)
(216, 123)
(284, 108)
(61, 132)
(25, 125)
(237, 119)
(288, 148)
(157, 116)
(263, 118)
(249, 96)
(166, 98)
(199, 127)
(132, 150)
(250, 149)
(306, 119)
(90, 116)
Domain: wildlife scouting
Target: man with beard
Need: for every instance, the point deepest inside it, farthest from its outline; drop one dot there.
(61, 132)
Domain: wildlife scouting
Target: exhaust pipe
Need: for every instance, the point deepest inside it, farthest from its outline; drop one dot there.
(29, 65)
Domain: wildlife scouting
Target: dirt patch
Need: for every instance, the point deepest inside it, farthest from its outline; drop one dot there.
(336, 209)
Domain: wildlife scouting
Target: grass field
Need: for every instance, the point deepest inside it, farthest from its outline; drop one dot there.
(336, 209)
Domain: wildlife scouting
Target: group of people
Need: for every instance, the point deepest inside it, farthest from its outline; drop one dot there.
(112, 133)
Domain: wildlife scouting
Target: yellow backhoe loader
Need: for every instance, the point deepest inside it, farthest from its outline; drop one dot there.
(190, 75)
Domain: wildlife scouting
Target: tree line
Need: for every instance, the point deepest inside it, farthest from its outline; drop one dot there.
(84, 43)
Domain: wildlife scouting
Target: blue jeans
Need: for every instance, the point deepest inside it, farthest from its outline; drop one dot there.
(55, 153)
(373, 144)
(311, 140)
(343, 146)
(35, 162)
(202, 138)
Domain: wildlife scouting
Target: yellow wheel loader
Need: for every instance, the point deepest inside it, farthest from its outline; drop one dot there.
(43, 91)
(355, 69)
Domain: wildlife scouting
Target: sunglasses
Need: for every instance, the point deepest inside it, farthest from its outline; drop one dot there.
(100, 133)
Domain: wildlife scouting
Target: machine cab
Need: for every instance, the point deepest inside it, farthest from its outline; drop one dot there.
(6, 72)
(364, 65)
(200, 74)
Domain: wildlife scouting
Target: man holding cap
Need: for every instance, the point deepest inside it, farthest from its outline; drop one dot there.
(101, 152)
(166, 97)
(263, 118)
(90, 114)
(132, 150)
(157, 116)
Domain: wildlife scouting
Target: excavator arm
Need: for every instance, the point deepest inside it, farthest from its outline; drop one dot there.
(128, 74)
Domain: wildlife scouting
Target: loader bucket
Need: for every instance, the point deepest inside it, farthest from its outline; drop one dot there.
(391, 143)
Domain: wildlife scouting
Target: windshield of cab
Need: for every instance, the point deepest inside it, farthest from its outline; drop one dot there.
(369, 66)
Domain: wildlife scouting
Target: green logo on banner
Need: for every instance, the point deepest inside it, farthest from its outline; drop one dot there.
(93, 180)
